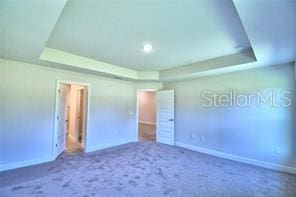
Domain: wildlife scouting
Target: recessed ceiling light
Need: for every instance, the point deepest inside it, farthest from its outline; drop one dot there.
(147, 48)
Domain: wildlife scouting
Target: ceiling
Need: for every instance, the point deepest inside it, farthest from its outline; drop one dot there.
(271, 29)
(25, 27)
(189, 38)
(181, 32)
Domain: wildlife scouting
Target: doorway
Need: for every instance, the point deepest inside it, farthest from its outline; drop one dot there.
(146, 115)
(71, 117)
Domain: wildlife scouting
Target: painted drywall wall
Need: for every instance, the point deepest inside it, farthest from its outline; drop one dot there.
(261, 133)
(147, 107)
(27, 97)
(148, 85)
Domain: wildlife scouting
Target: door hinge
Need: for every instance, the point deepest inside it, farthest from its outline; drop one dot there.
(59, 90)
(56, 145)
(58, 117)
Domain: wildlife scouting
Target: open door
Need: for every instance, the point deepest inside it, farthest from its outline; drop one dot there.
(165, 126)
(71, 109)
(63, 93)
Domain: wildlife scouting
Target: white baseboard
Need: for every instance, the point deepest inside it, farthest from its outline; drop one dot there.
(147, 122)
(10, 166)
(107, 145)
(20, 164)
(241, 159)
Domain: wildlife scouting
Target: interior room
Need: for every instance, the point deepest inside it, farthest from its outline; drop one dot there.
(148, 98)
(146, 115)
(74, 111)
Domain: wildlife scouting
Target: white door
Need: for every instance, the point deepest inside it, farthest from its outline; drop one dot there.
(165, 131)
(62, 99)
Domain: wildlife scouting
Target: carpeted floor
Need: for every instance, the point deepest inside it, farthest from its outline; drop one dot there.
(145, 169)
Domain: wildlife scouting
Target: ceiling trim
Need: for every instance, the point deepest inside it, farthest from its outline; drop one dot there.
(91, 65)
(205, 67)
(61, 57)
(188, 71)
(148, 75)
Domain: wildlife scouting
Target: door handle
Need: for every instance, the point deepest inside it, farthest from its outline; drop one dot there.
(171, 119)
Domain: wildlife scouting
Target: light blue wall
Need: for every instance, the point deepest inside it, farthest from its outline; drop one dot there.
(27, 97)
(255, 133)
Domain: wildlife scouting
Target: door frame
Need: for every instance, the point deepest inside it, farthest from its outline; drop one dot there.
(77, 129)
(137, 110)
(55, 131)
